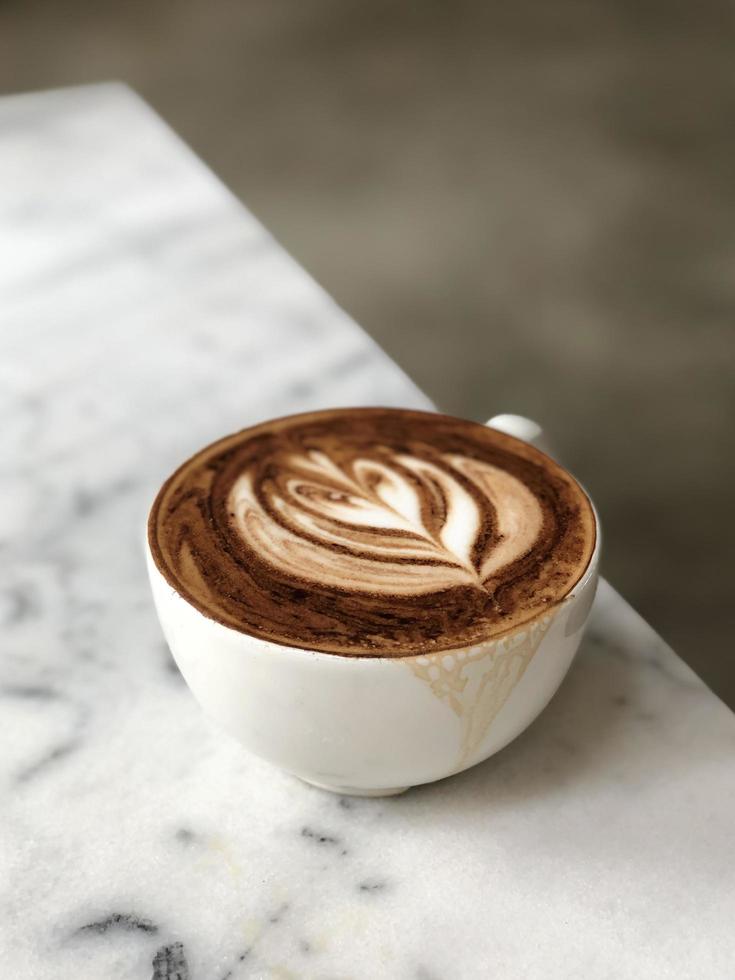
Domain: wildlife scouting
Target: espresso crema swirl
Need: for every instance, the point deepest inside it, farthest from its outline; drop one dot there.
(371, 532)
(395, 524)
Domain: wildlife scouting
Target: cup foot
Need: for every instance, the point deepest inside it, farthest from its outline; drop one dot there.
(356, 790)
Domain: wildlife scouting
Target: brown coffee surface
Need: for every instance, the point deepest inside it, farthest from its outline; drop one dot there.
(371, 532)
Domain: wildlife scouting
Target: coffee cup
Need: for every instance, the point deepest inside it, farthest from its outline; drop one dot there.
(371, 725)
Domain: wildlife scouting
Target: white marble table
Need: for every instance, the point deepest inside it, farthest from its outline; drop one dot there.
(142, 313)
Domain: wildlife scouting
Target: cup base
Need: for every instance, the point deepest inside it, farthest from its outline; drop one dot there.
(356, 790)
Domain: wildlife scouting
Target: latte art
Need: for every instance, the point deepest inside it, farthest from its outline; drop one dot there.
(393, 525)
(371, 532)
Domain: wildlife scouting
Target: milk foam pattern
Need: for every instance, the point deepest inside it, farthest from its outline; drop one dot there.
(371, 532)
(394, 523)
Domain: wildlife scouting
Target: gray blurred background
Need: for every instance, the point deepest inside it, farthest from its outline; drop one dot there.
(530, 205)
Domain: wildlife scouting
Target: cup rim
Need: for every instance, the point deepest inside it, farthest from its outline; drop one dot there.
(589, 569)
(274, 648)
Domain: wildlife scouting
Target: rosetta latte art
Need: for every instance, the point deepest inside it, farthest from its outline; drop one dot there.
(400, 525)
(371, 532)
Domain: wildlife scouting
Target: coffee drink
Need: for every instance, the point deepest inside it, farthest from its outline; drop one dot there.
(371, 532)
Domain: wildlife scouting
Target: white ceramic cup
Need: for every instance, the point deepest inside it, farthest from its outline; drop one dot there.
(372, 726)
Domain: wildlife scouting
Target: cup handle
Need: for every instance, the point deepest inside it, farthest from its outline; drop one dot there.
(521, 428)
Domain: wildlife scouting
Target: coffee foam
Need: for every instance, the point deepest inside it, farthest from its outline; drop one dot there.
(371, 532)
(396, 525)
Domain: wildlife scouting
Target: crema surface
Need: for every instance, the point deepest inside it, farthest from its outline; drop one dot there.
(371, 532)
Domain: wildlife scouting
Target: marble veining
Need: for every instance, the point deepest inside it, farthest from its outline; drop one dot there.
(143, 313)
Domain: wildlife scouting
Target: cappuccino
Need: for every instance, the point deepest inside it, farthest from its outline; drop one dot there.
(372, 532)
